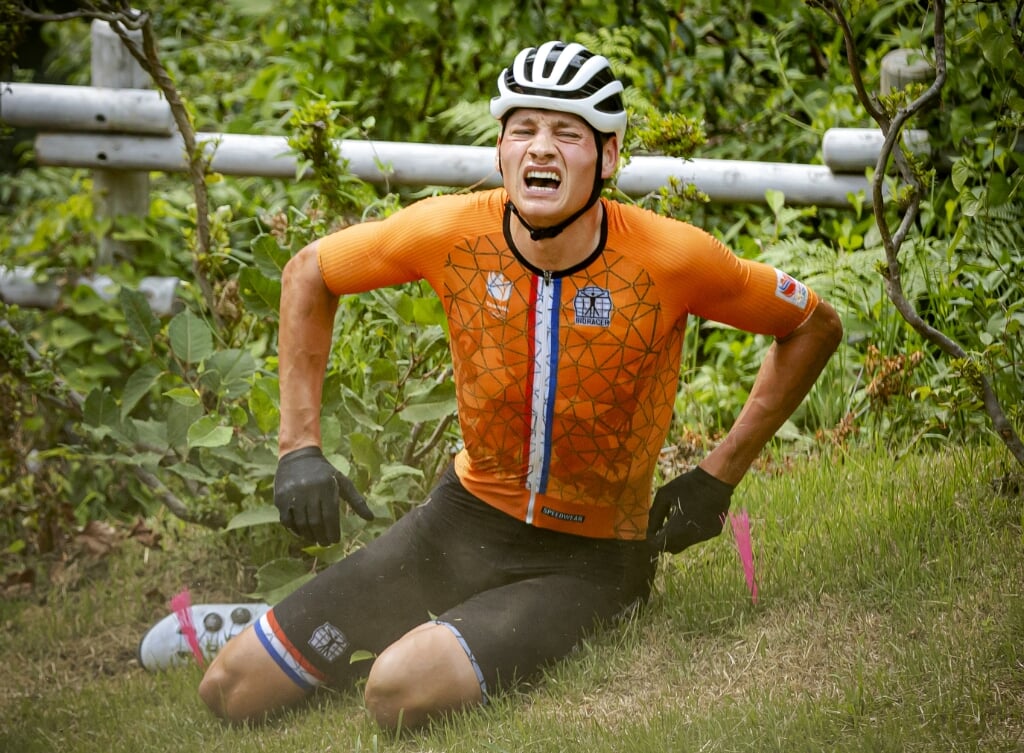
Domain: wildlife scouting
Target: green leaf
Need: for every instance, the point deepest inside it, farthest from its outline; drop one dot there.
(381, 370)
(775, 199)
(269, 257)
(255, 8)
(263, 406)
(431, 403)
(280, 577)
(191, 338)
(66, 333)
(152, 434)
(234, 367)
(100, 409)
(393, 471)
(428, 310)
(191, 472)
(357, 411)
(366, 453)
(183, 396)
(258, 516)
(138, 386)
(261, 294)
(94, 372)
(961, 174)
(208, 432)
(179, 421)
(142, 323)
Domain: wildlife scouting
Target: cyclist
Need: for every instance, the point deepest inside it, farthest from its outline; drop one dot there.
(566, 314)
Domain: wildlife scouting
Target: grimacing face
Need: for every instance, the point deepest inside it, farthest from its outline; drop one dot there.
(547, 160)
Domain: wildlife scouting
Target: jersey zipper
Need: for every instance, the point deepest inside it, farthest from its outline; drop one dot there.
(542, 385)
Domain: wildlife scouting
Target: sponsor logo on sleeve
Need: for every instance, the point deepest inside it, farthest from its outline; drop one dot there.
(790, 290)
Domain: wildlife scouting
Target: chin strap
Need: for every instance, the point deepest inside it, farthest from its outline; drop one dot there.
(543, 233)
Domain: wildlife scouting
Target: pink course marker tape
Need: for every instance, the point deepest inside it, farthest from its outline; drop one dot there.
(181, 605)
(741, 533)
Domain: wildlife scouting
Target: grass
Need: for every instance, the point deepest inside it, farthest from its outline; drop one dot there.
(890, 618)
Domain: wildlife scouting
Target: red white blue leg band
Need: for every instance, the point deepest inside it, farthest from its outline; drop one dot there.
(288, 658)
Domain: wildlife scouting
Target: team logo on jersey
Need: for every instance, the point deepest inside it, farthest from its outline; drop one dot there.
(328, 641)
(499, 290)
(790, 290)
(593, 307)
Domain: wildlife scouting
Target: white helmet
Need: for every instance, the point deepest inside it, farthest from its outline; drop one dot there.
(565, 78)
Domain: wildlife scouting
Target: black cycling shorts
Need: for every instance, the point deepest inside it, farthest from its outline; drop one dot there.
(518, 597)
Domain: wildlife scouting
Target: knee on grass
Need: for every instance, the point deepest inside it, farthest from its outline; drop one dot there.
(244, 684)
(422, 676)
(217, 689)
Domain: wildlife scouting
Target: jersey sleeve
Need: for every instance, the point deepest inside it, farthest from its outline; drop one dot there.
(741, 293)
(411, 244)
(372, 254)
(696, 274)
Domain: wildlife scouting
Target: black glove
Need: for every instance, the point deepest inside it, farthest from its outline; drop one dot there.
(306, 489)
(687, 510)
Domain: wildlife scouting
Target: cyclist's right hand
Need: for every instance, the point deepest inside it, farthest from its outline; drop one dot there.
(306, 490)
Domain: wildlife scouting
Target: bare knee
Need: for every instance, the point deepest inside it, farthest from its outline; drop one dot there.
(244, 683)
(386, 696)
(423, 675)
(215, 688)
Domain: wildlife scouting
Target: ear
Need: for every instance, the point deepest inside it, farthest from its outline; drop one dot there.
(497, 155)
(610, 157)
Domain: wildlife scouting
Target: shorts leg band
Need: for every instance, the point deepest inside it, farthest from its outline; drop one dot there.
(469, 655)
(288, 658)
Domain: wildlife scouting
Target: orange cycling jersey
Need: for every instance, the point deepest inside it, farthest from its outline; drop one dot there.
(566, 380)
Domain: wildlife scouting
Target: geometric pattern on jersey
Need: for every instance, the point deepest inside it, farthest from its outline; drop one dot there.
(566, 384)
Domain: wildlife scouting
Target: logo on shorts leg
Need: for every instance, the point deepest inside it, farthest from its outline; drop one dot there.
(328, 641)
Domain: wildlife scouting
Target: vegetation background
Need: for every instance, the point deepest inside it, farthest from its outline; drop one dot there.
(138, 453)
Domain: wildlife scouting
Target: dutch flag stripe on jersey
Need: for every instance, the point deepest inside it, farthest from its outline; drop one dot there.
(544, 323)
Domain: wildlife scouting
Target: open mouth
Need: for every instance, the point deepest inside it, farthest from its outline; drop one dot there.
(544, 180)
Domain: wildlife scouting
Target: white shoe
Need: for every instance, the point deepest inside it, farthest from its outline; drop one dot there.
(164, 645)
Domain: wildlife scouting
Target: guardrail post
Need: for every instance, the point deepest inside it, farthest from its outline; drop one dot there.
(902, 67)
(117, 193)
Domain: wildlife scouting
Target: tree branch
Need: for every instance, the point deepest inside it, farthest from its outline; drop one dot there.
(892, 149)
(198, 164)
(435, 438)
(835, 12)
(109, 12)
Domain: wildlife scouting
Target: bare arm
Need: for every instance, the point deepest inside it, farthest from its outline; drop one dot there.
(304, 344)
(786, 376)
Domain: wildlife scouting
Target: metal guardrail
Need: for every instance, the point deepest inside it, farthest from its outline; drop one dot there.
(122, 132)
(18, 287)
(131, 130)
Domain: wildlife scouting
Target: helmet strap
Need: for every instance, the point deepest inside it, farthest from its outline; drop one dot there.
(543, 233)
